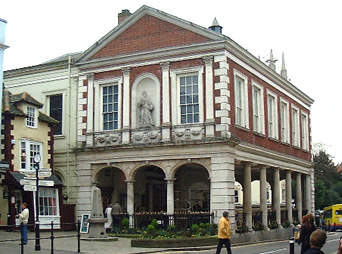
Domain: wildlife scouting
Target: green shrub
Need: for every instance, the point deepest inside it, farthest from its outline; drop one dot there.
(258, 226)
(286, 224)
(125, 223)
(273, 225)
(151, 230)
(154, 222)
(171, 229)
(194, 229)
(241, 229)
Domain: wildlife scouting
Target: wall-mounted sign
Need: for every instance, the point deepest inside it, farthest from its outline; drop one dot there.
(84, 223)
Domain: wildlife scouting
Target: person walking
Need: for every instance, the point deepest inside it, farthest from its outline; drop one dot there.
(116, 210)
(23, 219)
(224, 234)
(306, 230)
(317, 240)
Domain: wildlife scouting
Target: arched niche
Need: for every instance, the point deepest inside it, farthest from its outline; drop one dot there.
(150, 84)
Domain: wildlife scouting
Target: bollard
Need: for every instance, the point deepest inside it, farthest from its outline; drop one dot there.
(78, 236)
(291, 243)
(22, 247)
(52, 237)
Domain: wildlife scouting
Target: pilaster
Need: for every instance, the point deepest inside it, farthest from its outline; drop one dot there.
(222, 95)
(170, 196)
(90, 110)
(166, 125)
(130, 202)
(276, 193)
(209, 88)
(247, 195)
(263, 196)
(126, 106)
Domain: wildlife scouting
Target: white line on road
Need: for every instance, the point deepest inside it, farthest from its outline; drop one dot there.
(273, 251)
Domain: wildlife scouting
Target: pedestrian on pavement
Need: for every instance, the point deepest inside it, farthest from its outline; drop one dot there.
(339, 249)
(224, 234)
(23, 220)
(317, 240)
(306, 229)
(116, 210)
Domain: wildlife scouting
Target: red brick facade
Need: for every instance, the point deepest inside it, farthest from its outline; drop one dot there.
(248, 135)
(149, 33)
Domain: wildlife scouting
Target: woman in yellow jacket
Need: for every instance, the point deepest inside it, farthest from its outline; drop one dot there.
(224, 234)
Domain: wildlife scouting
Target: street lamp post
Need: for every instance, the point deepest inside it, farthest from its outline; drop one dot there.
(36, 161)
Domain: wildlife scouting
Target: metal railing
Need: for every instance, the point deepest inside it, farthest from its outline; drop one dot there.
(52, 236)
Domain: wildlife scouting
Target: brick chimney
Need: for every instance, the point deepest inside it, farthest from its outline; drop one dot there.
(123, 15)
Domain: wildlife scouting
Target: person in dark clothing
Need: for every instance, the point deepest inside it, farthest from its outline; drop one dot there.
(317, 240)
(306, 229)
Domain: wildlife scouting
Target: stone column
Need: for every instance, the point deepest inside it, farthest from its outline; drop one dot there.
(299, 196)
(247, 196)
(126, 106)
(289, 196)
(263, 196)
(276, 193)
(308, 193)
(130, 202)
(170, 197)
(166, 124)
(210, 121)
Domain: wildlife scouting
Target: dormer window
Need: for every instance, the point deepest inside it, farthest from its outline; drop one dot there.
(31, 117)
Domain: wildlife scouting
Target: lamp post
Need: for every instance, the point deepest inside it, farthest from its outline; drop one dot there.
(36, 161)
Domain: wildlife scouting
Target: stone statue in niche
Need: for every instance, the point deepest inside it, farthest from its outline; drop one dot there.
(145, 108)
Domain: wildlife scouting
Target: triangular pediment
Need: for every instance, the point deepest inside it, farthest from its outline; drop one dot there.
(145, 30)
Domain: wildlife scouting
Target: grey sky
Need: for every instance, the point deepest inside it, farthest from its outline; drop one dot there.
(309, 33)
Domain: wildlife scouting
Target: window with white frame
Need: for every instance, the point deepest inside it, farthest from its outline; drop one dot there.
(295, 126)
(48, 202)
(258, 108)
(241, 100)
(31, 116)
(189, 99)
(28, 149)
(272, 114)
(110, 107)
(305, 132)
(284, 122)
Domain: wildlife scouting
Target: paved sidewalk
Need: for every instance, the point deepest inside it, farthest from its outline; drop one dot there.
(68, 245)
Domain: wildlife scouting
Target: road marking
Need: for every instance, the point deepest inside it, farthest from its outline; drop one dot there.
(273, 251)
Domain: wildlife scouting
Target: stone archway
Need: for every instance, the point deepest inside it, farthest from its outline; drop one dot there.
(192, 188)
(150, 189)
(111, 181)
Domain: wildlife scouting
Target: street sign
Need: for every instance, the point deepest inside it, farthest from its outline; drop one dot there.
(30, 188)
(44, 173)
(46, 183)
(28, 181)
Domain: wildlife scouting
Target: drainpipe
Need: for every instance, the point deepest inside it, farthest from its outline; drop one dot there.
(69, 126)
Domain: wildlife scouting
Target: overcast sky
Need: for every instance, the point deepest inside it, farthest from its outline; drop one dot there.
(308, 32)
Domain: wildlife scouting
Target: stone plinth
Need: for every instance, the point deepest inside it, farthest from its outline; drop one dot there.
(96, 228)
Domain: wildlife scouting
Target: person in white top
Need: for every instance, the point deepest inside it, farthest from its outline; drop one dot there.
(23, 219)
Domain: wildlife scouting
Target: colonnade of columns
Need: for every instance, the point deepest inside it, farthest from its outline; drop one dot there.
(247, 202)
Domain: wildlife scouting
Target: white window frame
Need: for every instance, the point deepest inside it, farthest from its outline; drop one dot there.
(57, 205)
(47, 95)
(175, 93)
(98, 102)
(274, 116)
(258, 110)
(295, 126)
(286, 138)
(27, 152)
(35, 116)
(244, 100)
(305, 131)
